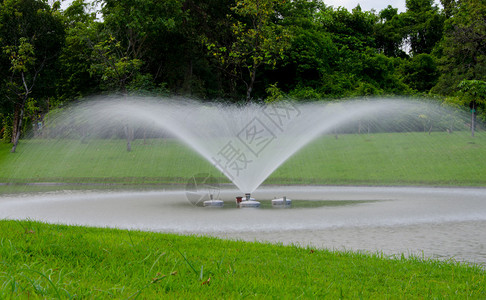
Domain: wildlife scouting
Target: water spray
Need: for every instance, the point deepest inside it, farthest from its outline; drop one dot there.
(254, 141)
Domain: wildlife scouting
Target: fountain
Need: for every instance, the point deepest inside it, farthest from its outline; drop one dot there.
(246, 143)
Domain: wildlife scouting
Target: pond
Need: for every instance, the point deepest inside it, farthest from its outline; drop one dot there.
(444, 223)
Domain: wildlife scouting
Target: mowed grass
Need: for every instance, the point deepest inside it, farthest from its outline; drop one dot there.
(56, 261)
(102, 161)
(41, 261)
(365, 159)
(390, 159)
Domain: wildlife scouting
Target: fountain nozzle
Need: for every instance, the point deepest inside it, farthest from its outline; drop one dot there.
(247, 195)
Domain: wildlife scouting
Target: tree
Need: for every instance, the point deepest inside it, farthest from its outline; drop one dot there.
(205, 20)
(420, 72)
(475, 93)
(389, 33)
(117, 71)
(258, 40)
(21, 82)
(423, 24)
(449, 7)
(311, 52)
(463, 49)
(31, 34)
(353, 31)
(126, 43)
(75, 58)
(147, 32)
(114, 66)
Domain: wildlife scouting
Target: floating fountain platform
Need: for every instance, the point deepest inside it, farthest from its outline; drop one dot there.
(248, 202)
(282, 202)
(212, 202)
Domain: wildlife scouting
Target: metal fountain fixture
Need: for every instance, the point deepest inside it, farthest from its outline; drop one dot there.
(248, 202)
(212, 202)
(282, 202)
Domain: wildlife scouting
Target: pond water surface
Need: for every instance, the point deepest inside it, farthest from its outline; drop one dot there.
(445, 223)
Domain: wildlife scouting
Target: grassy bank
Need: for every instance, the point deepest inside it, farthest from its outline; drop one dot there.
(376, 159)
(56, 261)
(390, 159)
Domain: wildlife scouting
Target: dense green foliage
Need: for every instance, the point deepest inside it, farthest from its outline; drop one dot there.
(376, 159)
(246, 50)
(42, 261)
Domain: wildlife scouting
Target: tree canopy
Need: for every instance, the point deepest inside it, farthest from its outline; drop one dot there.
(232, 50)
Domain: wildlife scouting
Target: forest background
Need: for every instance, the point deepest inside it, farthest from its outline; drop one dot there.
(235, 51)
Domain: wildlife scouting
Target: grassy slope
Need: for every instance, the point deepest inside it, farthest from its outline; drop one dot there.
(407, 158)
(412, 158)
(39, 260)
(40, 160)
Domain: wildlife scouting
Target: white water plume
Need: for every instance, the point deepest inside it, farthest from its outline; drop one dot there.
(246, 143)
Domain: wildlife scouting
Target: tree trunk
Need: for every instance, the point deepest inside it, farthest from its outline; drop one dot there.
(15, 123)
(248, 93)
(128, 129)
(129, 136)
(17, 126)
(16, 137)
(252, 82)
(473, 122)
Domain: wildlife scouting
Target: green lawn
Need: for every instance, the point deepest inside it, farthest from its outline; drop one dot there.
(368, 159)
(390, 159)
(42, 261)
(56, 261)
(101, 161)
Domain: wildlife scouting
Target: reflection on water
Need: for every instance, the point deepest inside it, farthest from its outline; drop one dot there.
(433, 222)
